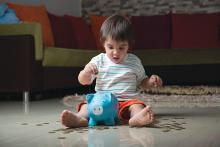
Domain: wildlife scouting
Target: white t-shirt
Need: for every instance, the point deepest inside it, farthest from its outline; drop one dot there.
(120, 79)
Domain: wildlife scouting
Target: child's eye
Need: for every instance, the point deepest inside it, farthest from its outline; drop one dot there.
(110, 47)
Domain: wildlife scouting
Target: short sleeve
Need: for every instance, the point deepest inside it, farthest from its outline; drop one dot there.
(140, 71)
(97, 60)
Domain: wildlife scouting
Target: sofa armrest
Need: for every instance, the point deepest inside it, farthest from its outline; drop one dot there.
(25, 28)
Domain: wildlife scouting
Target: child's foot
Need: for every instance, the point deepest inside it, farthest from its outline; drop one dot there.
(144, 117)
(70, 119)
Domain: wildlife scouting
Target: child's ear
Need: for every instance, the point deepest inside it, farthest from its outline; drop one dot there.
(89, 97)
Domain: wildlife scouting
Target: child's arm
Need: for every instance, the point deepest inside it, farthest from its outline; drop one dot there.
(85, 76)
(153, 81)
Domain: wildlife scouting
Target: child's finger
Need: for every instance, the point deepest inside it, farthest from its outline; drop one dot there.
(158, 81)
(94, 69)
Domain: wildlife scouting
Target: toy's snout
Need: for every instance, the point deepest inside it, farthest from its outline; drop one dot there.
(97, 110)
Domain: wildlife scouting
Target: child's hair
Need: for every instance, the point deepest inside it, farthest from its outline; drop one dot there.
(117, 27)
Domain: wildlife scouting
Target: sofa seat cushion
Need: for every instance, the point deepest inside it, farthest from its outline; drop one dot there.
(161, 57)
(164, 57)
(62, 57)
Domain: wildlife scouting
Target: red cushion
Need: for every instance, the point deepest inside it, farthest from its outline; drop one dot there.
(196, 30)
(151, 32)
(61, 31)
(96, 23)
(34, 13)
(82, 32)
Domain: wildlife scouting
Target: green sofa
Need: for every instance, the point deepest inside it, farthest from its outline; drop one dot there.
(28, 66)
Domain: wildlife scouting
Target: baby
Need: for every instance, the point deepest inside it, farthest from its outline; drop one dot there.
(119, 72)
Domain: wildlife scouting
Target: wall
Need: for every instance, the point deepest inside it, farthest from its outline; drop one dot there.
(148, 7)
(58, 7)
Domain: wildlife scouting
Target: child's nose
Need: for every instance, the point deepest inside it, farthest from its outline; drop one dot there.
(115, 52)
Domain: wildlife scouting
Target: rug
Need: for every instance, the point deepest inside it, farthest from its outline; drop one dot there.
(169, 96)
(183, 90)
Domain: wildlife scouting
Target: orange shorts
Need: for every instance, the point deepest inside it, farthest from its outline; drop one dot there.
(123, 112)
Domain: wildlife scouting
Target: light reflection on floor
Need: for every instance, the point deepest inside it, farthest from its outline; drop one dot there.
(37, 124)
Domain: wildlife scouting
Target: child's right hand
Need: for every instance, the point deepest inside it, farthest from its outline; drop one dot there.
(91, 69)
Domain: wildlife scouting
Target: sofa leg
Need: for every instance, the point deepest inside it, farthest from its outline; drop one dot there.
(25, 96)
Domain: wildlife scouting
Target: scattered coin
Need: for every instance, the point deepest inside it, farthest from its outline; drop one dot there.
(39, 124)
(178, 128)
(105, 127)
(165, 118)
(80, 131)
(165, 125)
(57, 130)
(67, 132)
(166, 130)
(153, 126)
(61, 137)
(77, 129)
(178, 118)
(176, 123)
(51, 132)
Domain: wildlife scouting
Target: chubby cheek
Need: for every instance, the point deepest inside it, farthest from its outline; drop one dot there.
(110, 55)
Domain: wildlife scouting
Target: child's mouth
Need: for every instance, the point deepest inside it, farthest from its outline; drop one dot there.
(116, 58)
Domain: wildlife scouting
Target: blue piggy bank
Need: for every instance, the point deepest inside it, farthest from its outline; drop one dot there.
(102, 108)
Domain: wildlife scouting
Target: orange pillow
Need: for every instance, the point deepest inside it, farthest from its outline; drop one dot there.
(35, 14)
(96, 23)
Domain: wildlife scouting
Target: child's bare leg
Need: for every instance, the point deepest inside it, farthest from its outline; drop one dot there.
(71, 119)
(140, 115)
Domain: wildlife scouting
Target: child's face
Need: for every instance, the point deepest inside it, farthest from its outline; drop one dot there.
(116, 50)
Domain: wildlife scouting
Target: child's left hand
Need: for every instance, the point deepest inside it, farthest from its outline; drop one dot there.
(155, 81)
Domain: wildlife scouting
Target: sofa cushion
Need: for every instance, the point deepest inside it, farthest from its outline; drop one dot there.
(196, 30)
(61, 57)
(3, 9)
(9, 17)
(82, 33)
(162, 57)
(35, 14)
(96, 23)
(61, 31)
(152, 32)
